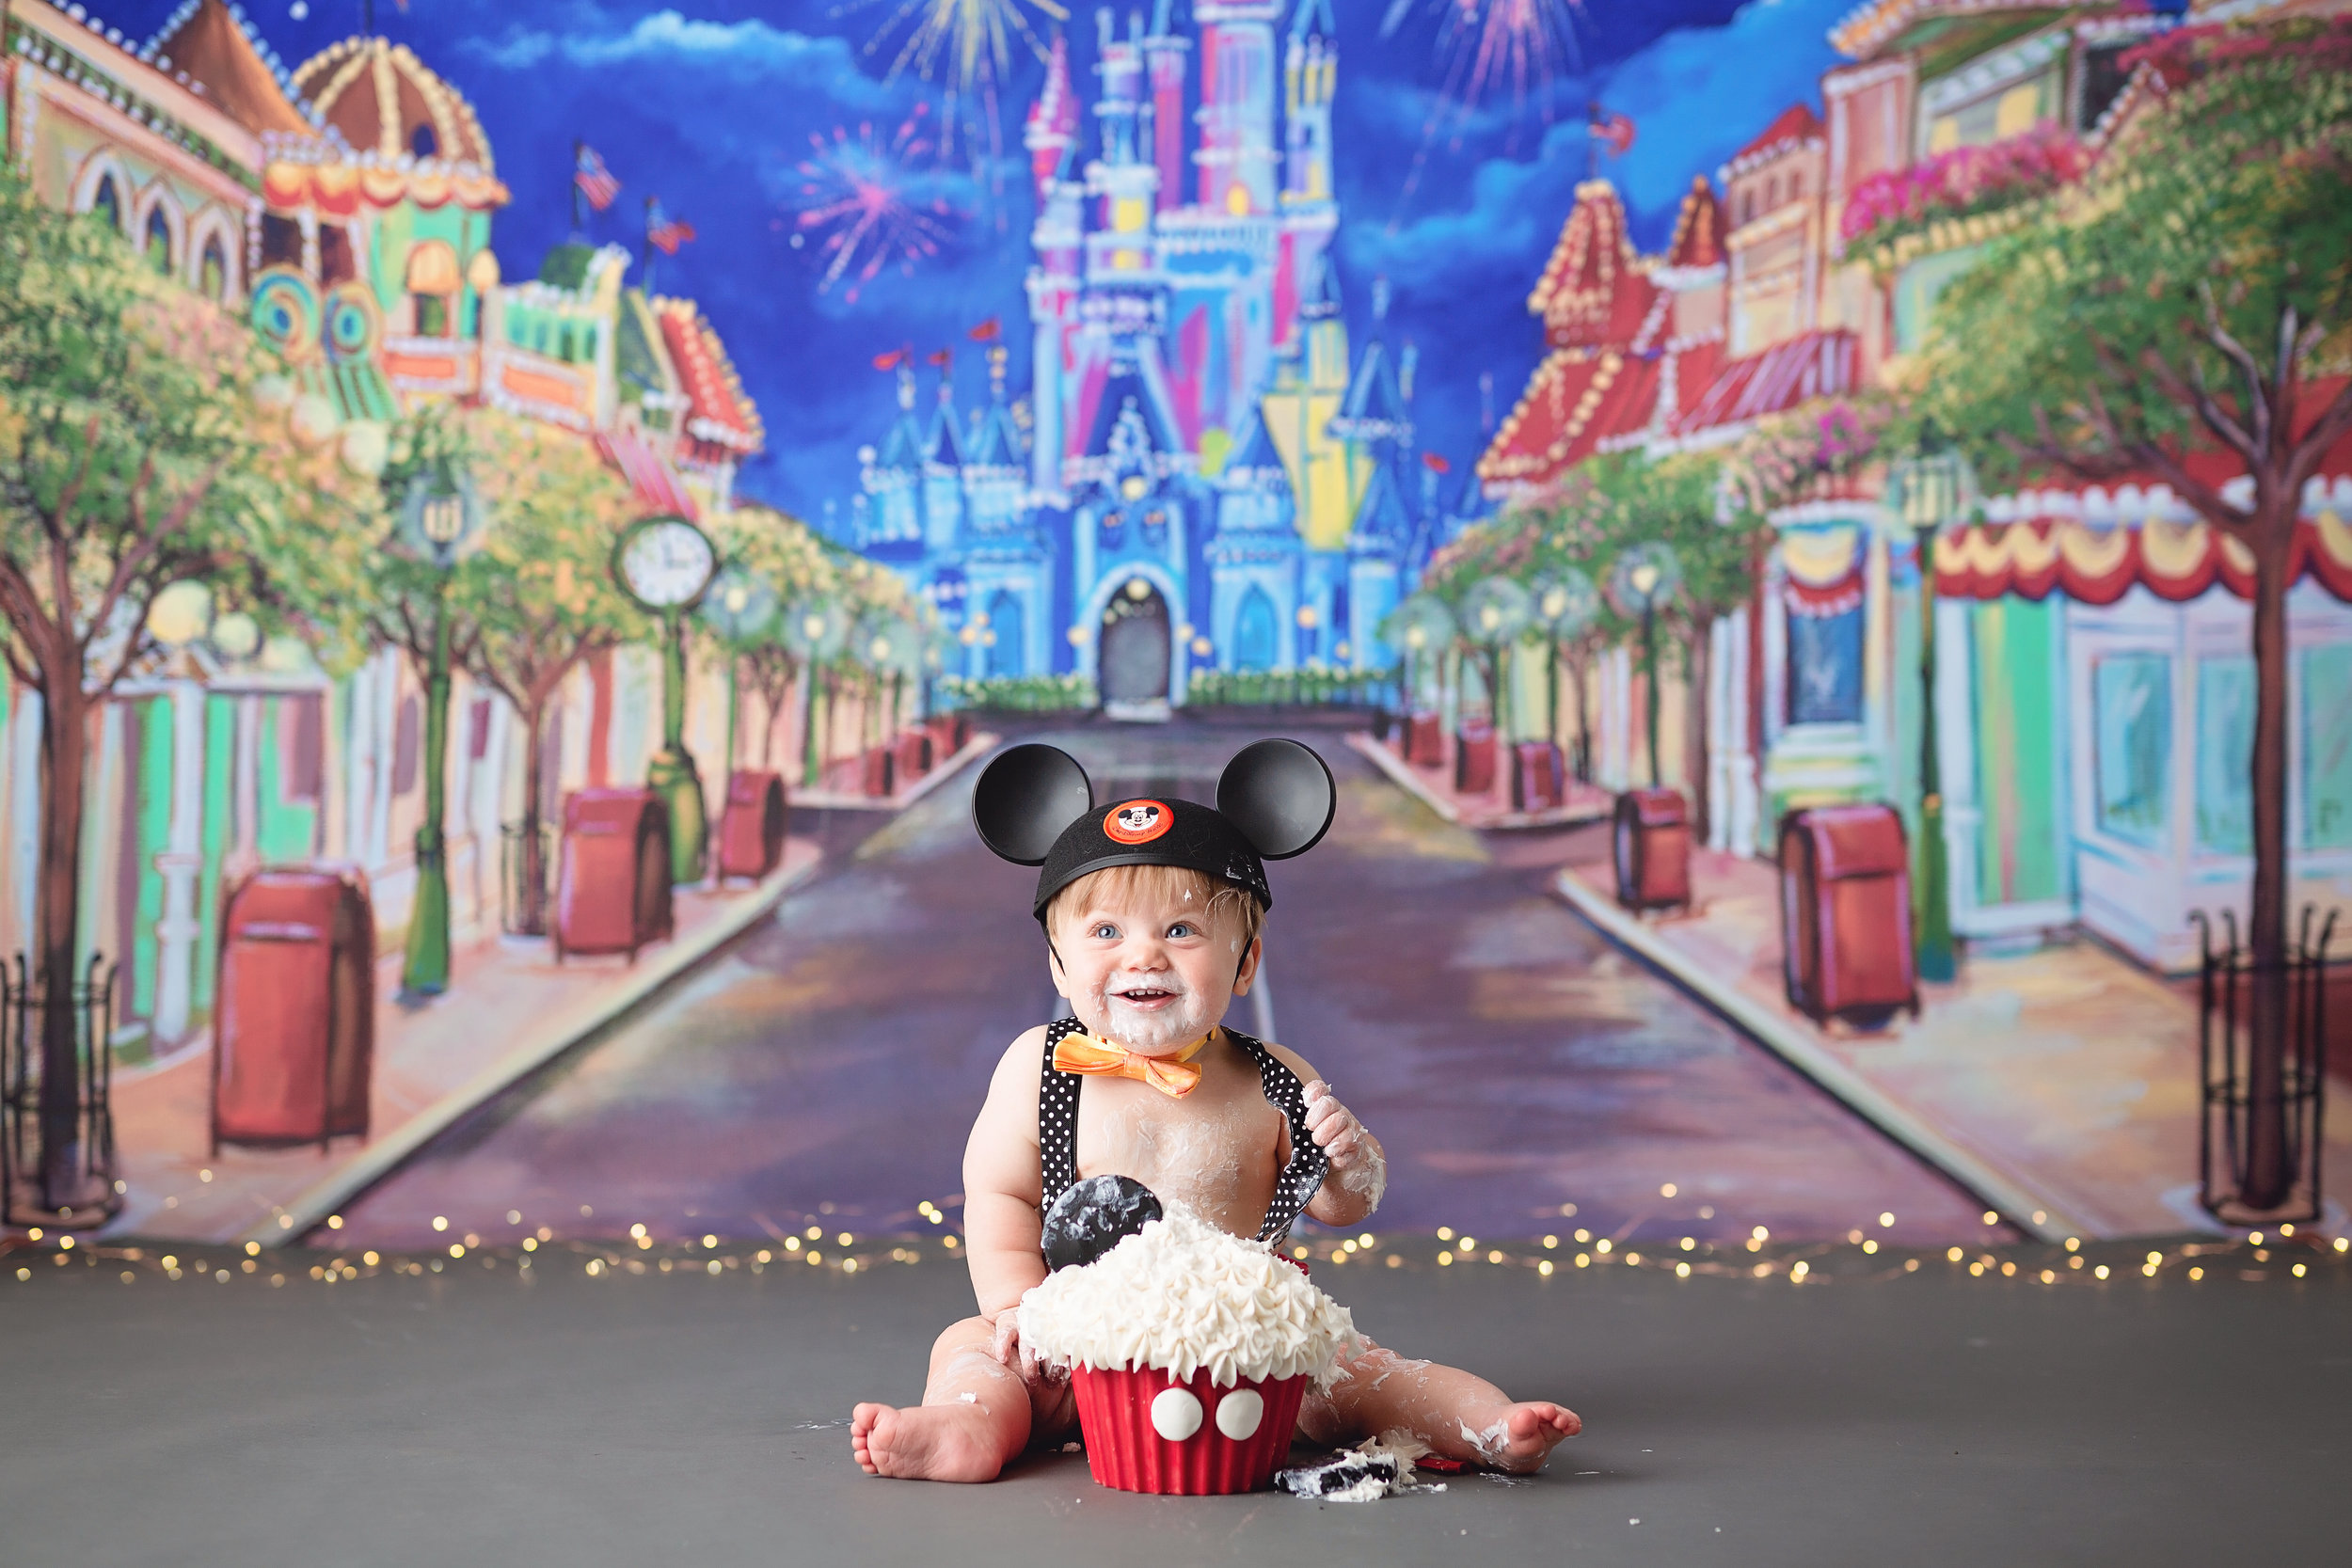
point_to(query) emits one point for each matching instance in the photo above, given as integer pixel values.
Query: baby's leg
(975, 1416)
(1459, 1416)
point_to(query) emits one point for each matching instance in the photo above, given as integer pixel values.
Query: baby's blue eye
(1106, 932)
(1182, 929)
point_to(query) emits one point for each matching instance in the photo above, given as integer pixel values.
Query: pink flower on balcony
(1958, 184)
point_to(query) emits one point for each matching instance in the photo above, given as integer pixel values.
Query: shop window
(2131, 703)
(1825, 666)
(431, 277)
(212, 271)
(2326, 747)
(1253, 632)
(108, 203)
(2225, 756)
(1005, 633)
(158, 248)
(281, 242)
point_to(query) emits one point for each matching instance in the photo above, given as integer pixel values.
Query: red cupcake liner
(1124, 1450)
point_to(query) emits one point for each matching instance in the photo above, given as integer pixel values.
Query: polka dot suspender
(1057, 1115)
(1058, 1129)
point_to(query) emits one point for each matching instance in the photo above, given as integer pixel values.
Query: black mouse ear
(1026, 797)
(1279, 794)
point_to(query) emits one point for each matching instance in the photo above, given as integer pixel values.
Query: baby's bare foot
(1521, 1437)
(930, 1442)
(1524, 1439)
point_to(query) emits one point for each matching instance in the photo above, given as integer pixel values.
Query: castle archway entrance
(1134, 659)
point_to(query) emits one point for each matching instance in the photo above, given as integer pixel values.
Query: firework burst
(967, 47)
(859, 202)
(1487, 44)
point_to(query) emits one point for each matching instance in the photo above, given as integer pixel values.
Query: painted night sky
(713, 107)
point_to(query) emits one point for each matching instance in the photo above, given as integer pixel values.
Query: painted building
(1200, 474)
(2094, 687)
(343, 207)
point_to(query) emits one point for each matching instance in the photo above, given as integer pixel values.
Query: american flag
(594, 180)
(663, 233)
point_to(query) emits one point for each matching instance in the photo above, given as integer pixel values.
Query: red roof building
(1634, 341)
(722, 424)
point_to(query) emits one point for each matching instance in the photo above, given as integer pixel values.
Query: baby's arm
(1358, 1176)
(1004, 1183)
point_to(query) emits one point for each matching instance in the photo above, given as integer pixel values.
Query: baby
(1151, 915)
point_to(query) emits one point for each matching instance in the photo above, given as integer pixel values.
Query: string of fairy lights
(2283, 1252)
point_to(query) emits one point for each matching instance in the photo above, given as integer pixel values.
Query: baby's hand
(1009, 1350)
(1357, 1167)
(1333, 1126)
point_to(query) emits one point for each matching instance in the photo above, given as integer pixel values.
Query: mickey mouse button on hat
(1034, 806)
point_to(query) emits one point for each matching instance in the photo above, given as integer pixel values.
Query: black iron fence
(57, 1169)
(2263, 1101)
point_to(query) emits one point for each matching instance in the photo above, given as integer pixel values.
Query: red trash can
(1650, 839)
(913, 756)
(613, 876)
(1536, 776)
(1474, 758)
(1845, 886)
(750, 830)
(876, 776)
(950, 733)
(294, 1036)
(1424, 740)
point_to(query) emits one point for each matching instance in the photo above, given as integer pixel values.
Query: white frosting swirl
(1181, 1295)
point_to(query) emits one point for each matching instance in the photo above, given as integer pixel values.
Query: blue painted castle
(1202, 475)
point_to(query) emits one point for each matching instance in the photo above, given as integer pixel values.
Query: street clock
(665, 562)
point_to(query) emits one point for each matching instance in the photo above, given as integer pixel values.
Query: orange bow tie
(1174, 1076)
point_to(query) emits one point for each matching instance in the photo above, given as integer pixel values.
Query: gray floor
(471, 1416)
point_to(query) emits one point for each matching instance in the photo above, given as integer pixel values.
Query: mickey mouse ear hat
(1034, 806)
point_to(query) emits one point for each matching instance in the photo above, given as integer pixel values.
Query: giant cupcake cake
(1190, 1351)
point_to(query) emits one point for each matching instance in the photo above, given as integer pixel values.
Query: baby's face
(1147, 966)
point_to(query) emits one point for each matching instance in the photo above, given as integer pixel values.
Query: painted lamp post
(666, 565)
(1646, 579)
(1494, 613)
(1933, 486)
(440, 520)
(1566, 603)
(742, 609)
(815, 631)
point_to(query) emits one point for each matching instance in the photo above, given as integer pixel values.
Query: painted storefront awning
(1823, 568)
(721, 421)
(648, 475)
(2093, 544)
(1810, 365)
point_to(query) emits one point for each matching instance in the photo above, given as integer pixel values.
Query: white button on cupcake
(1239, 1413)
(1176, 1414)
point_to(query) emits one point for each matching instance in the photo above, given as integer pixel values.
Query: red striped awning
(2093, 544)
(650, 477)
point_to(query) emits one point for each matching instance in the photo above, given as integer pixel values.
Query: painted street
(1527, 1077)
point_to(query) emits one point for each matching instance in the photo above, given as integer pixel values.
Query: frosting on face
(1179, 1295)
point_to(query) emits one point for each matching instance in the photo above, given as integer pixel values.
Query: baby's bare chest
(1216, 1152)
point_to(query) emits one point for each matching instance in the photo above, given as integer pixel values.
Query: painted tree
(2182, 306)
(133, 453)
(794, 567)
(538, 598)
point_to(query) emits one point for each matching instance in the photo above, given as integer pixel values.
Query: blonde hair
(1123, 882)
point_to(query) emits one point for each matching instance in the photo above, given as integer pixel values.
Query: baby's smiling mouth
(1145, 996)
